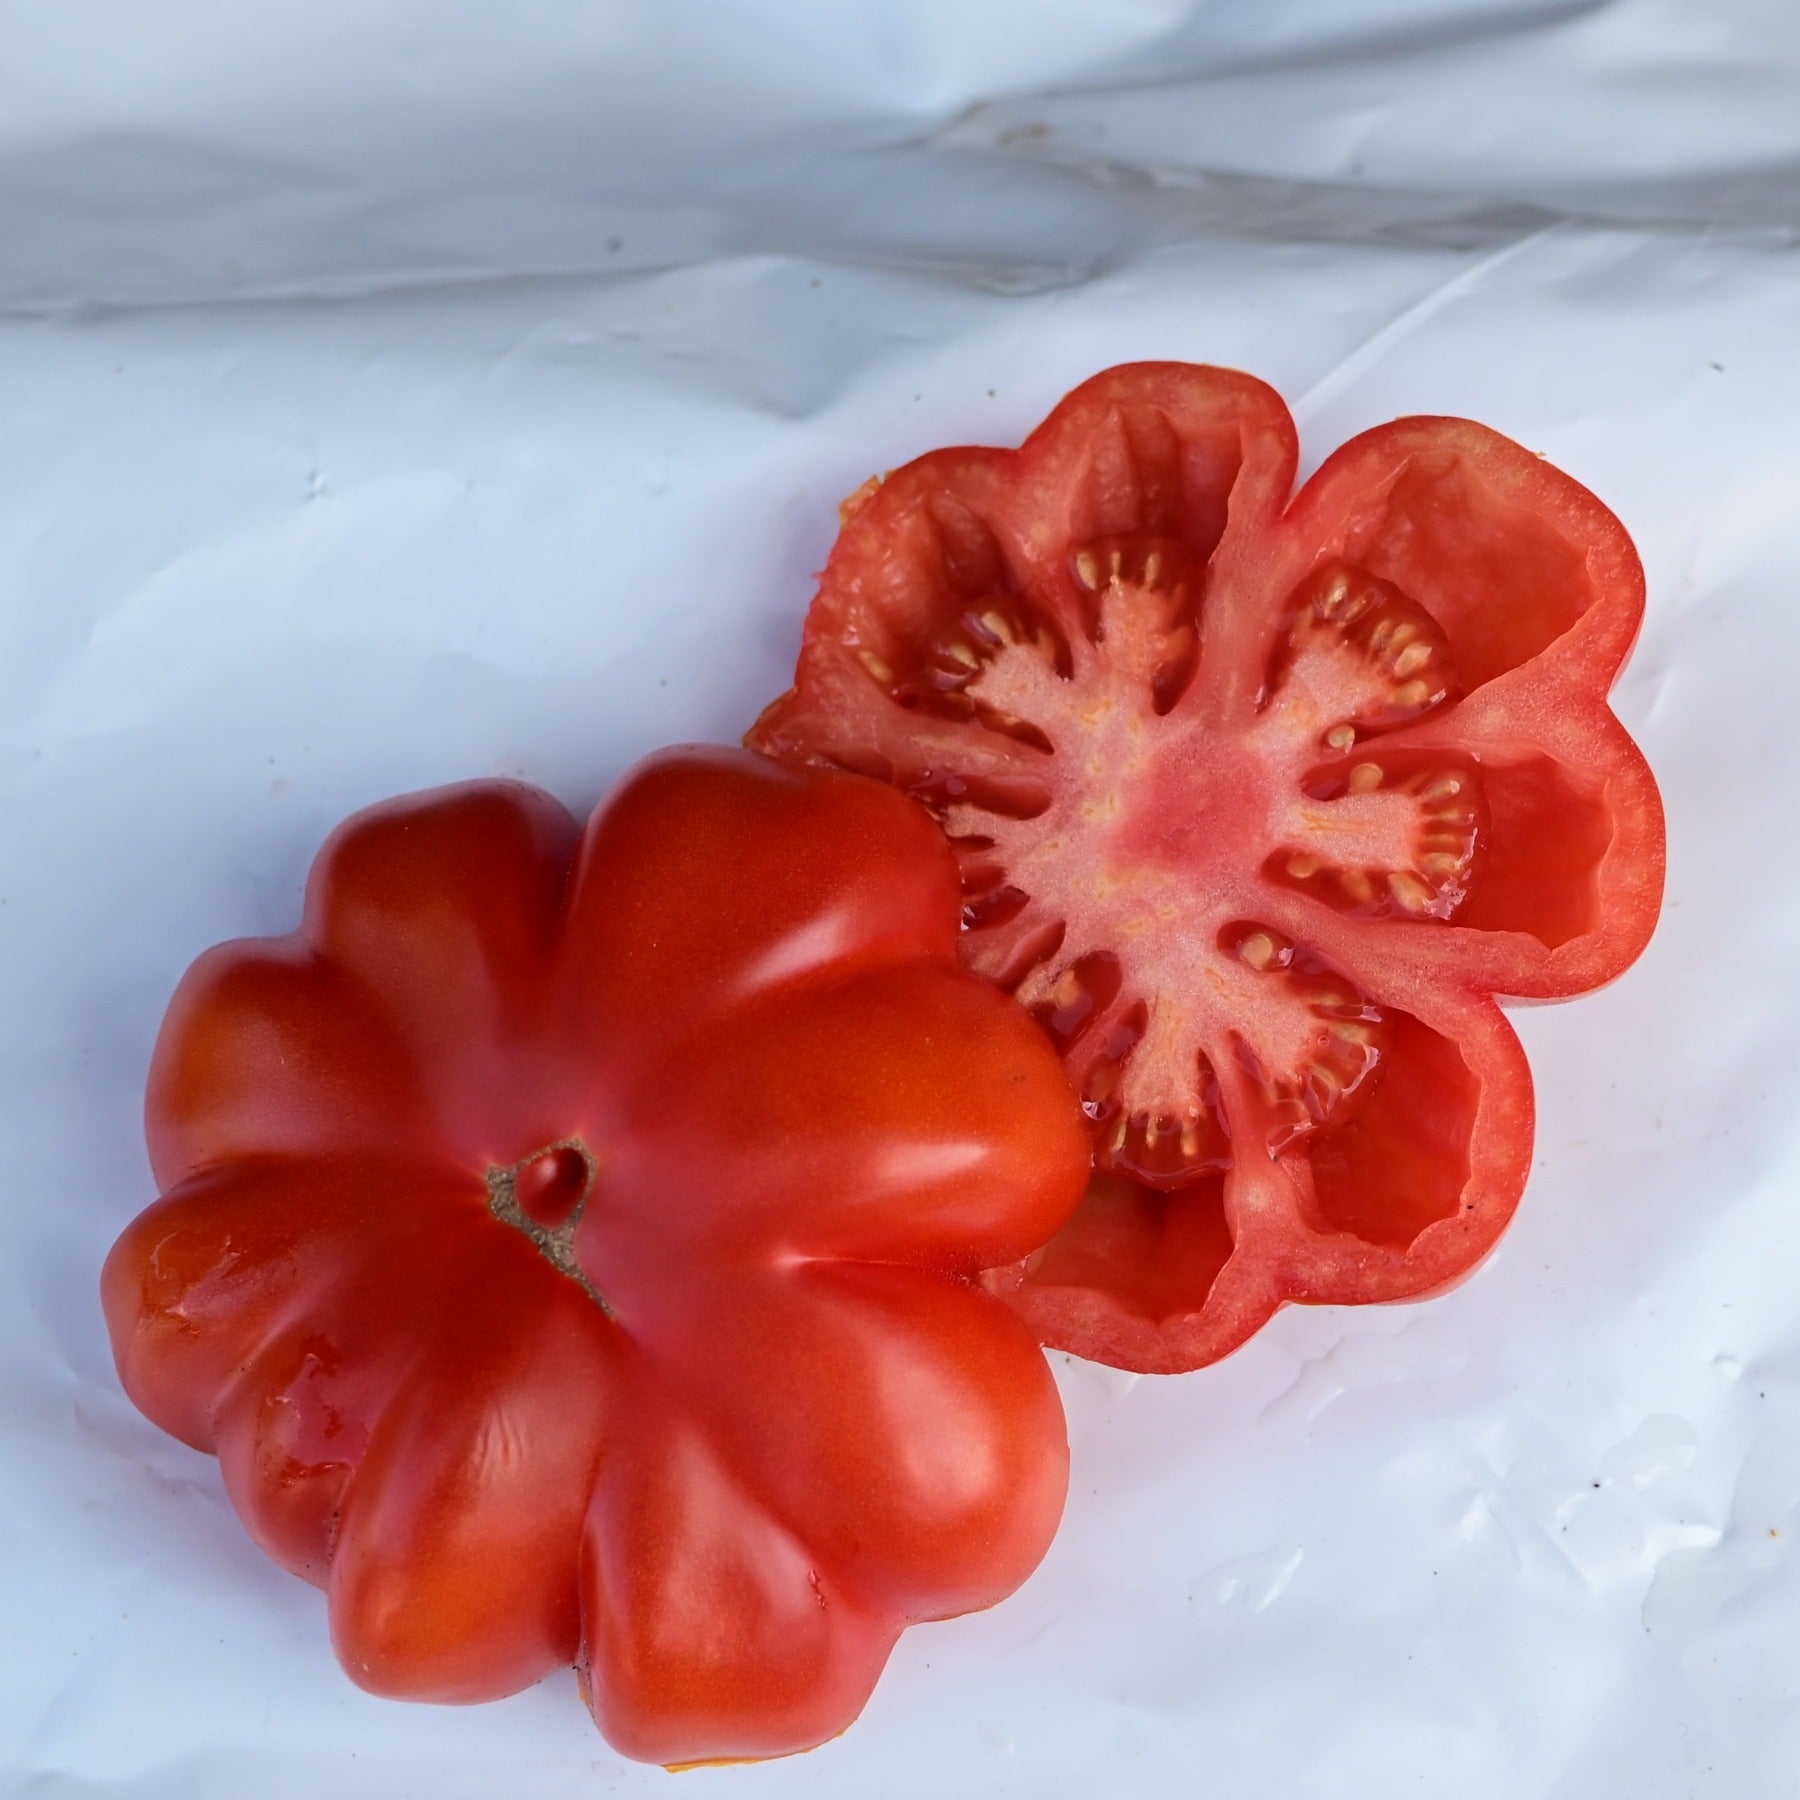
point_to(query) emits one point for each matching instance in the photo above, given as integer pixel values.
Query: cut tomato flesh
(1216, 768)
(1148, 847)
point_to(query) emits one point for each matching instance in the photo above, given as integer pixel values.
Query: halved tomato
(1259, 803)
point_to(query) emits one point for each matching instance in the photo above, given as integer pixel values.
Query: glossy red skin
(771, 1419)
(1538, 593)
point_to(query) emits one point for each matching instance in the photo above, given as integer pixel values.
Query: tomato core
(1186, 815)
(1122, 904)
(552, 1184)
(543, 1197)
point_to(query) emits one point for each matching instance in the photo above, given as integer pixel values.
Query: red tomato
(1259, 802)
(568, 1244)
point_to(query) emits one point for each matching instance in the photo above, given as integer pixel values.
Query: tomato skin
(1261, 799)
(761, 1415)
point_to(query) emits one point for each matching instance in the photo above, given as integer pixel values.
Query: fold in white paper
(402, 392)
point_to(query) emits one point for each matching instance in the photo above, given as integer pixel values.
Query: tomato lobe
(1259, 799)
(703, 1389)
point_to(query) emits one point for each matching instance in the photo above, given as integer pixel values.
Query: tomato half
(1259, 802)
(568, 1245)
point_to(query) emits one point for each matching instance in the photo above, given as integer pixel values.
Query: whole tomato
(1261, 799)
(568, 1244)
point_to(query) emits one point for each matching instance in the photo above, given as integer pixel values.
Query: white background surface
(409, 390)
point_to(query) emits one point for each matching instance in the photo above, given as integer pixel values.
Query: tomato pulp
(1259, 802)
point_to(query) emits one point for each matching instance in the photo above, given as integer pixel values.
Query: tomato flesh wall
(1258, 803)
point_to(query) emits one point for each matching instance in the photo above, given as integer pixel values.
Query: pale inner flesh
(1126, 910)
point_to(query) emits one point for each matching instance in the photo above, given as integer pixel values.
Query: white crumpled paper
(394, 391)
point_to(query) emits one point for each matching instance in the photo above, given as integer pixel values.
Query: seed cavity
(1165, 1150)
(1137, 598)
(1419, 847)
(1359, 658)
(1162, 1147)
(1168, 1150)
(954, 676)
(1068, 1002)
(993, 905)
(1313, 1046)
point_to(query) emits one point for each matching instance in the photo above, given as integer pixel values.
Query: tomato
(1259, 803)
(568, 1245)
